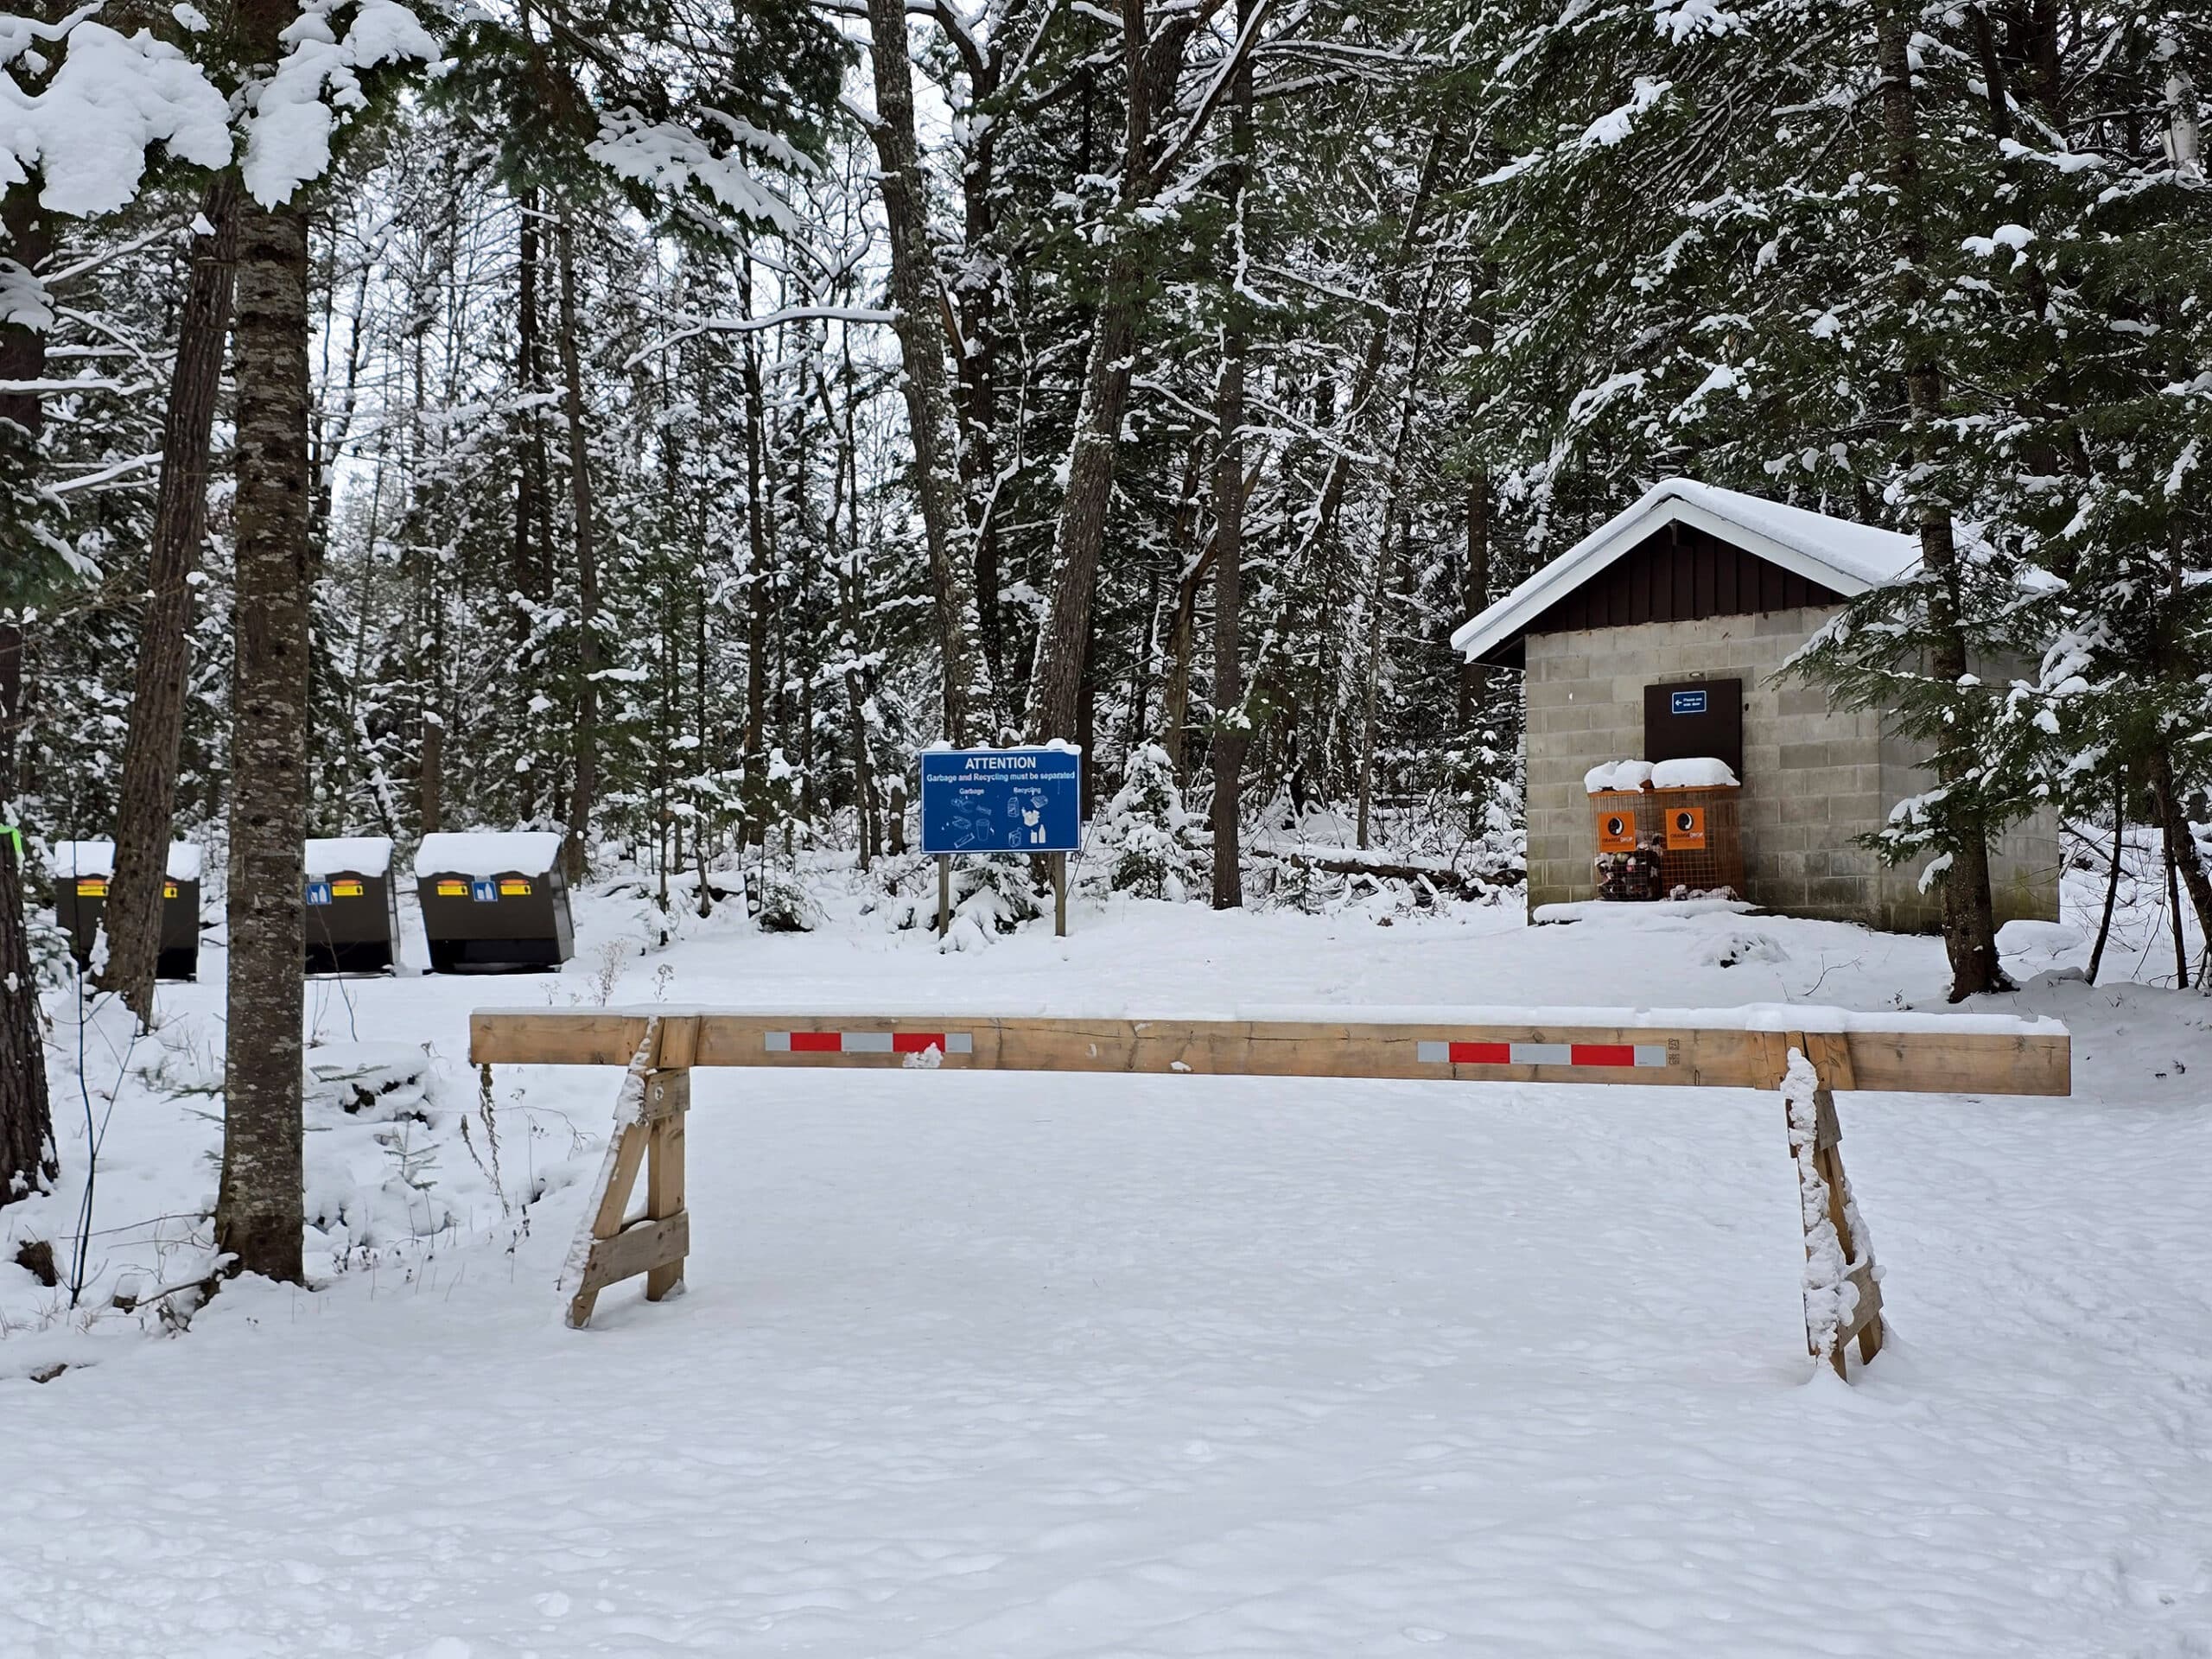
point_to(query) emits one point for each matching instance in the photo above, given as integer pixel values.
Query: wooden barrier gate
(1917, 1054)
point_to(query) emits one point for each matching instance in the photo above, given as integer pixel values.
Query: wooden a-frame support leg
(1820, 1158)
(648, 1135)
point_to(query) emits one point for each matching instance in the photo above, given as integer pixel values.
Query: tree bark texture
(916, 295)
(147, 809)
(258, 1213)
(27, 1153)
(27, 1157)
(586, 787)
(1969, 912)
(2188, 863)
(1232, 725)
(1056, 683)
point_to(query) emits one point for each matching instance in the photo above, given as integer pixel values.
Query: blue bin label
(318, 893)
(1688, 702)
(483, 892)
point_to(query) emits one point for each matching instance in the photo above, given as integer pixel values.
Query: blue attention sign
(1688, 702)
(1002, 800)
(318, 893)
(484, 890)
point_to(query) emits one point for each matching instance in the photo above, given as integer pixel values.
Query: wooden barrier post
(1838, 1254)
(613, 1245)
(1841, 1291)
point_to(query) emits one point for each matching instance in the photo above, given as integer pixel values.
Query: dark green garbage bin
(352, 911)
(494, 900)
(82, 870)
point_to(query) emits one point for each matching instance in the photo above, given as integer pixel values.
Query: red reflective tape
(1482, 1054)
(1605, 1054)
(917, 1042)
(818, 1042)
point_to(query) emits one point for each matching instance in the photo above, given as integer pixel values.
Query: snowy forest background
(1489, 273)
(675, 468)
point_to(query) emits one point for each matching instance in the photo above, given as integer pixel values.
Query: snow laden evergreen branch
(322, 82)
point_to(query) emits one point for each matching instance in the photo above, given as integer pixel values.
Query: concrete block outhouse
(1711, 590)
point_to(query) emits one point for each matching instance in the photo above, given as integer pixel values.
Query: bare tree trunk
(258, 1212)
(1475, 592)
(27, 1153)
(586, 787)
(144, 817)
(757, 580)
(1232, 726)
(2180, 845)
(1969, 911)
(2112, 882)
(918, 298)
(1056, 683)
(528, 564)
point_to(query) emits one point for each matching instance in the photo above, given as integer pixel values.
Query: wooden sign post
(1842, 1293)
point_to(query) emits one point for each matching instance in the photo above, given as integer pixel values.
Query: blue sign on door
(484, 890)
(1688, 703)
(1002, 800)
(318, 893)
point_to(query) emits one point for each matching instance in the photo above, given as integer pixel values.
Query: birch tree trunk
(916, 293)
(1969, 912)
(586, 787)
(147, 809)
(258, 1212)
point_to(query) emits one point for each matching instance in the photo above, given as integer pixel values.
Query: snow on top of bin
(349, 855)
(1616, 775)
(1845, 558)
(488, 852)
(98, 858)
(1699, 772)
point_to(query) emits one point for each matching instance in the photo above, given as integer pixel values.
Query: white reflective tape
(1432, 1054)
(865, 1042)
(1543, 1054)
(779, 1042)
(1651, 1054)
(959, 1042)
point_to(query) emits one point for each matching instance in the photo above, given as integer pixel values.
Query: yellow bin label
(452, 889)
(345, 889)
(91, 886)
(169, 889)
(514, 888)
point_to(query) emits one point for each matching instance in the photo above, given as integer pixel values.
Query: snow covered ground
(986, 1364)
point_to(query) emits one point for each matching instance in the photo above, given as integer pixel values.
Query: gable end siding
(1680, 573)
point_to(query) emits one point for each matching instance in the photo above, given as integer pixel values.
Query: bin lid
(351, 854)
(488, 852)
(98, 858)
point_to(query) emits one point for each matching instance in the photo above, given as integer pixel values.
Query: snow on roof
(349, 855)
(1847, 557)
(488, 852)
(98, 858)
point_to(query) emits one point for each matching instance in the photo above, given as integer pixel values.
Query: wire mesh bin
(1703, 841)
(1628, 866)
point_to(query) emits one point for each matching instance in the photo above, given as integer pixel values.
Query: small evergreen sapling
(1146, 846)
